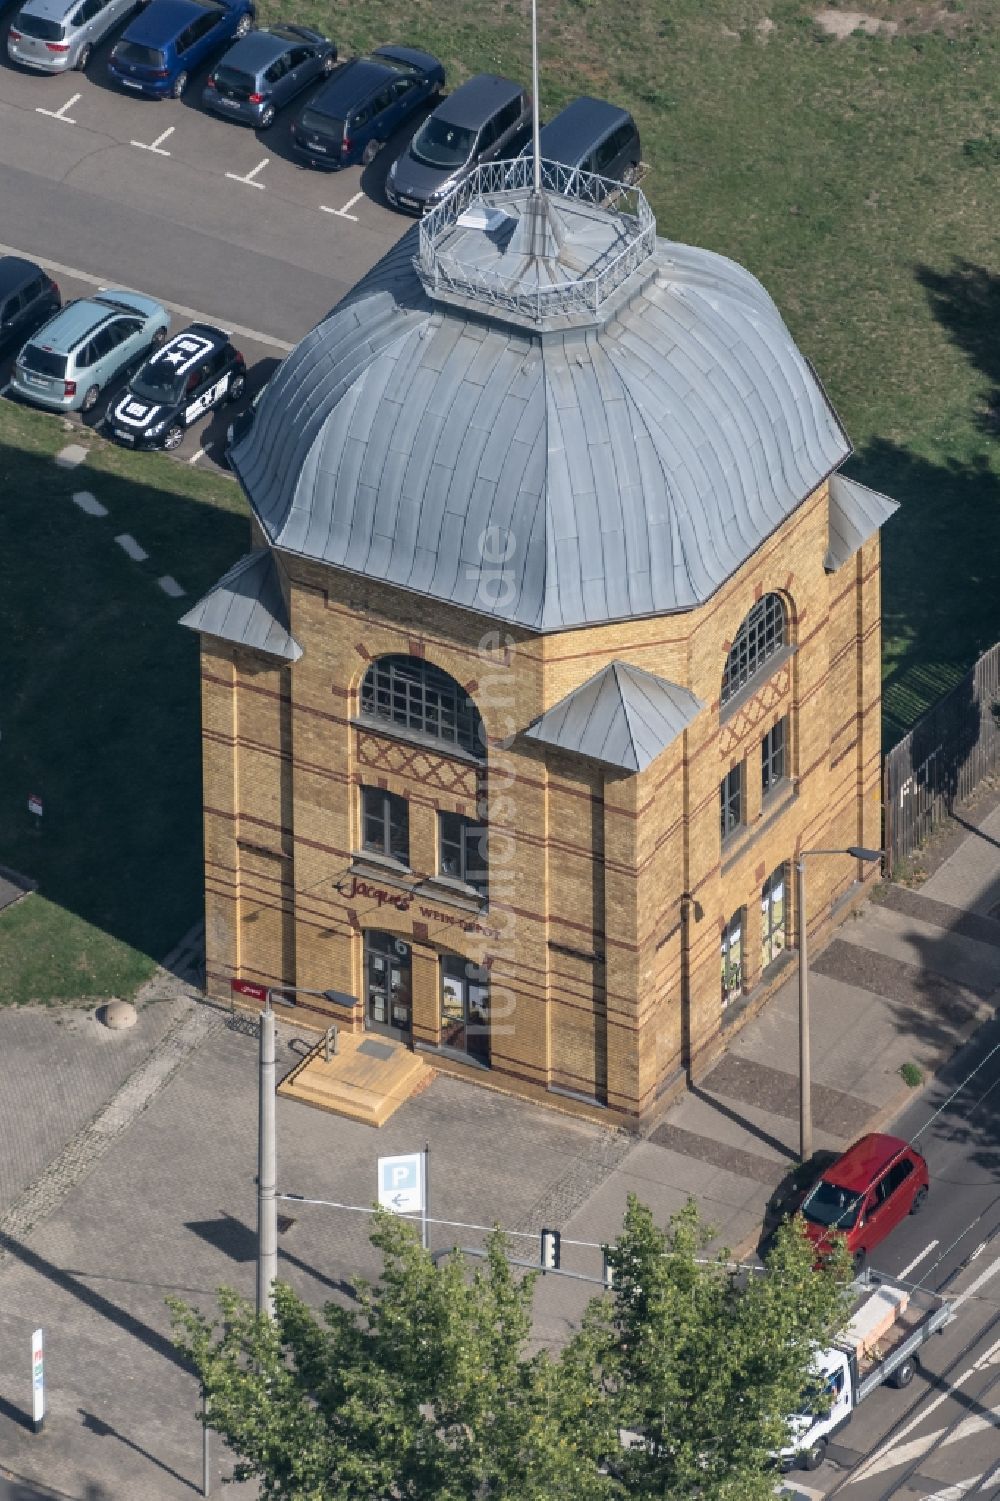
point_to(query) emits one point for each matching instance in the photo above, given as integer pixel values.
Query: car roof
(863, 1162)
(72, 323)
(476, 99)
(350, 85)
(256, 49)
(571, 133)
(15, 272)
(212, 336)
(412, 55)
(51, 10)
(161, 20)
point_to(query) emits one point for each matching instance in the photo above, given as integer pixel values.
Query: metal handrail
(440, 271)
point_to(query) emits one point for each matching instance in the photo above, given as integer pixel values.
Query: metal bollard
(330, 1037)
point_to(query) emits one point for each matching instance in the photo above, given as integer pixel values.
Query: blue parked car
(170, 39)
(353, 115)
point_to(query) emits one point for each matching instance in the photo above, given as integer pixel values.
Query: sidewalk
(907, 980)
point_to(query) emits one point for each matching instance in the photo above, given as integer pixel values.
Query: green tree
(423, 1390)
(699, 1364)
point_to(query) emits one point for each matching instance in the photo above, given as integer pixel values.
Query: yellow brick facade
(608, 891)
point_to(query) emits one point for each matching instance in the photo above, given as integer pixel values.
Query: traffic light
(607, 1271)
(550, 1250)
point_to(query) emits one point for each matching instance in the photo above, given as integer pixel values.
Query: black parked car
(28, 298)
(266, 70)
(353, 115)
(193, 372)
(484, 120)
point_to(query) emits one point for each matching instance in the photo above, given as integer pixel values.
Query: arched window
(763, 632)
(411, 693)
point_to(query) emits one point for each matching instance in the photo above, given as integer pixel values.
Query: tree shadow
(966, 302)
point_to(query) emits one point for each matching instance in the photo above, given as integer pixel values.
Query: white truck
(889, 1322)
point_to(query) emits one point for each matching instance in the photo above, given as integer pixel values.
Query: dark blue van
(353, 115)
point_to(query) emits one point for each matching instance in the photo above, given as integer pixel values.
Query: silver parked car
(74, 356)
(57, 35)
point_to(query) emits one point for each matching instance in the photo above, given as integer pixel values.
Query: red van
(867, 1191)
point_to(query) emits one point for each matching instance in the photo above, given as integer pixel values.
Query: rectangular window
(731, 800)
(773, 917)
(385, 824)
(465, 1007)
(462, 851)
(732, 958)
(773, 753)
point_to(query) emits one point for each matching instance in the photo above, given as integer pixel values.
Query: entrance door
(388, 985)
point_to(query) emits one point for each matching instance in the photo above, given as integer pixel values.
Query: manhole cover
(376, 1049)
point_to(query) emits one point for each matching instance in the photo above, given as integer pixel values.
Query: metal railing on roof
(581, 295)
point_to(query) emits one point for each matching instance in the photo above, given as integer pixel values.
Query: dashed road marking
(89, 503)
(918, 1259)
(157, 145)
(182, 311)
(200, 453)
(974, 1287)
(60, 113)
(129, 545)
(171, 587)
(342, 212)
(249, 178)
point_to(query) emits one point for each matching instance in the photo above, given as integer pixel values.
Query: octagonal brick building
(558, 639)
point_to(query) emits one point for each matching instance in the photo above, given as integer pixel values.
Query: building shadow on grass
(102, 713)
(965, 300)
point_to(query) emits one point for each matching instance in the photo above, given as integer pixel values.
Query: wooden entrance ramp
(367, 1079)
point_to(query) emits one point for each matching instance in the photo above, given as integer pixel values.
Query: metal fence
(943, 759)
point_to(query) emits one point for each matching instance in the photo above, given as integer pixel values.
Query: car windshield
(827, 1204)
(135, 52)
(43, 361)
(322, 125)
(231, 78)
(438, 144)
(40, 27)
(158, 383)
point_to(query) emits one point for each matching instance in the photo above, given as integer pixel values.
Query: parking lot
(174, 181)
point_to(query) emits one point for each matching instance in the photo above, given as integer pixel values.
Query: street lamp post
(856, 852)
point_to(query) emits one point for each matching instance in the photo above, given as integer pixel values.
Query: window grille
(773, 768)
(412, 693)
(731, 800)
(762, 633)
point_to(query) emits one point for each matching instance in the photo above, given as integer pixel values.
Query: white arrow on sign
(401, 1183)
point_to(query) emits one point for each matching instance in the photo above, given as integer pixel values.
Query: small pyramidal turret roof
(622, 716)
(856, 513)
(247, 608)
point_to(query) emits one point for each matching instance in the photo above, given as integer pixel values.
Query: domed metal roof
(631, 415)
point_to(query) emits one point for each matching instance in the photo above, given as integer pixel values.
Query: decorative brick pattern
(423, 766)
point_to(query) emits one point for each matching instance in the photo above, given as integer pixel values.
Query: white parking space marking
(60, 113)
(342, 212)
(190, 313)
(918, 1259)
(171, 587)
(249, 178)
(157, 145)
(200, 454)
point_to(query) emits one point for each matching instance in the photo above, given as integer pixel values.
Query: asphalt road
(940, 1438)
(218, 216)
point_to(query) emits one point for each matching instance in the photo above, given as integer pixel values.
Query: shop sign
(398, 899)
(250, 989)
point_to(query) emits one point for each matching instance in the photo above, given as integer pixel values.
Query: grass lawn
(857, 179)
(101, 713)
